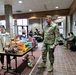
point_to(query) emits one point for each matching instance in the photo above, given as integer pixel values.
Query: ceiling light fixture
(56, 7)
(33, 17)
(19, 1)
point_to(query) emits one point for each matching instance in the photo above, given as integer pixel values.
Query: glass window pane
(2, 22)
(14, 22)
(19, 21)
(26, 31)
(19, 30)
(61, 31)
(25, 22)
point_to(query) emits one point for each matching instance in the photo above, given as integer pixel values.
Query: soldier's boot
(42, 65)
(50, 69)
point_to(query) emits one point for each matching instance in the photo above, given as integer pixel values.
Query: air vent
(18, 11)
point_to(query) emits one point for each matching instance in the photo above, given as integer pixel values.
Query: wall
(35, 23)
(61, 12)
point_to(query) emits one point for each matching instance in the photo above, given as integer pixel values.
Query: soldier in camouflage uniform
(51, 37)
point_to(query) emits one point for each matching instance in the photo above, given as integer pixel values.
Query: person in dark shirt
(71, 41)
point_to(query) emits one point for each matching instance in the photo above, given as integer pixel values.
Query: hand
(54, 46)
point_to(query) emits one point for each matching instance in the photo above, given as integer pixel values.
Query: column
(64, 27)
(9, 19)
(71, 23)
(68, 24)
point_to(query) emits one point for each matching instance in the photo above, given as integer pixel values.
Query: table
(18, 54)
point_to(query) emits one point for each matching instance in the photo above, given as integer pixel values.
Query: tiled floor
(65, 63)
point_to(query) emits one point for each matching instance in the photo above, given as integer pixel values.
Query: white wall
(35, 23)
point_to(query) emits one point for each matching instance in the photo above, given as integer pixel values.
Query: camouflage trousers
(46, 49)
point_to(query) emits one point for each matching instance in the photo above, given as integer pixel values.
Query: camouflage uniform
(51, 37)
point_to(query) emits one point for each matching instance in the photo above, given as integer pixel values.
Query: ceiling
(34, 5)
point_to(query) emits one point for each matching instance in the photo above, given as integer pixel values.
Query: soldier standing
(51, 38)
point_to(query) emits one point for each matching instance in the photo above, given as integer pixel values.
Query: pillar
(9, 19)
(64, 27)
(71, 23)
(68, 24)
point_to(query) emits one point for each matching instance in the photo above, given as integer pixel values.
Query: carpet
(37, 54)
(64, 64)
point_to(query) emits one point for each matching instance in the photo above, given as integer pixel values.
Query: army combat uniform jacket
(51, 34)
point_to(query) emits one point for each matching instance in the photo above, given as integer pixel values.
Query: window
(60, 25)
(22, 22)
(25, 22)
(19, 21)
(2, 22)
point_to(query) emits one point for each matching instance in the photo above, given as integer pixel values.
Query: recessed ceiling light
(30, 10)
(19, 1)
(56, 7)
